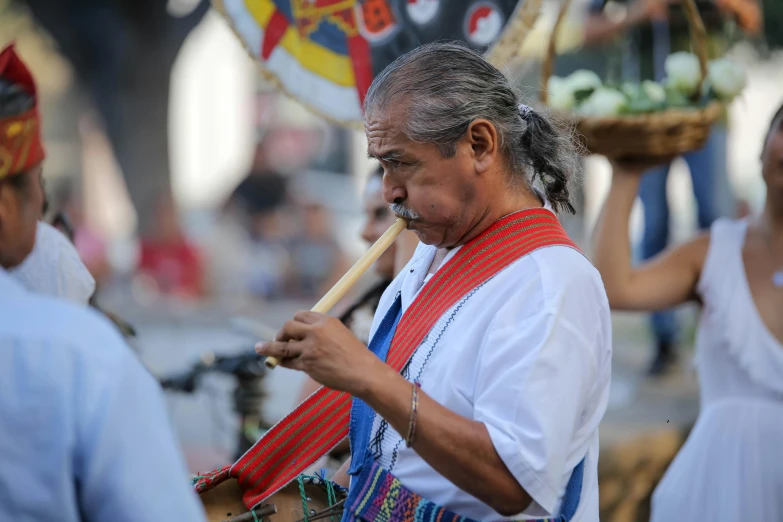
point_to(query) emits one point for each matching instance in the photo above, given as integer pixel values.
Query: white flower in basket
(654, 91)
(561, 97)
(604, 102)
(683, 72)
(727, 78)
(630, 89)
(583, 80)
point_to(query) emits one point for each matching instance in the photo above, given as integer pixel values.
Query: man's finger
(308, 317)
(279, 349)
(293, 330)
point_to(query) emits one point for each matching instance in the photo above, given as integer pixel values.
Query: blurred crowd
(294, 251)
(269, 240)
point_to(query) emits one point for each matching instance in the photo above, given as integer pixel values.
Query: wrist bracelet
(414, 415)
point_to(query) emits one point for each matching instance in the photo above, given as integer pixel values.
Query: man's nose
(393, 192)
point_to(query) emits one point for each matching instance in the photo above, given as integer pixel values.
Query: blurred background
(210, 207)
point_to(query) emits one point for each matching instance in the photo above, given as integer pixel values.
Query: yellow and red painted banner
(325, 53)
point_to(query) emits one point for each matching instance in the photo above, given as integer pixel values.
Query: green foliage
(582, 94)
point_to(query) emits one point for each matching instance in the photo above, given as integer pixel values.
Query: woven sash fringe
(381, 497)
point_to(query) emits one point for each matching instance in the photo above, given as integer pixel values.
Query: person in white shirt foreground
(489, 366)
(83, 429)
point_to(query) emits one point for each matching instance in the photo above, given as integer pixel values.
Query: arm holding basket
(668, 280)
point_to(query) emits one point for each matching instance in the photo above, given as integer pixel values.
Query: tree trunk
(123, 55)
(141, 142)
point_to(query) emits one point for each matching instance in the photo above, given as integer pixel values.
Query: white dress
(731, 466)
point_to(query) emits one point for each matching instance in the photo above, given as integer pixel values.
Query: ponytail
(550, 153)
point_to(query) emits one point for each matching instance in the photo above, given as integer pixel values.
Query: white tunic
(731, 467)
(84, 433)
(55, 268)
(529, 355)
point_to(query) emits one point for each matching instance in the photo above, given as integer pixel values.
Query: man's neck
(509, 205)
(440, 255)
(507, 202)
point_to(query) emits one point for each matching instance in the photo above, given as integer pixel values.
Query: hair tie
(524, 110)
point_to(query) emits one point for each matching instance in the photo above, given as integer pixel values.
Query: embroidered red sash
(321, 421)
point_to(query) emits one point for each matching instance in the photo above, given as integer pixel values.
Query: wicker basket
(650, 138)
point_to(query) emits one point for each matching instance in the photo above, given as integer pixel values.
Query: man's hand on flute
(459, 448)
(326, 350)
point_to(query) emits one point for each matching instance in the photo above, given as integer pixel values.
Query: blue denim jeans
(709, 177)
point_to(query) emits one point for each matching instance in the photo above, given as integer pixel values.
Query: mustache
(404, 212)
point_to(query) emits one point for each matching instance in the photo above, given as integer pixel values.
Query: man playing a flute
(84, 433)
(488, 368)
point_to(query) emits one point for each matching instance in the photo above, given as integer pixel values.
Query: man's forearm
(458, 448)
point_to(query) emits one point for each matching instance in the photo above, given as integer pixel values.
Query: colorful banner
(325, 53)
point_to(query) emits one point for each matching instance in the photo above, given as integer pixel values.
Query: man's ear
(9, 203)
(484, 145)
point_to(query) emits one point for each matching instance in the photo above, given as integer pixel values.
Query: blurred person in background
(651, 30)
(378, 217)
(317, 260)
(89, 243)
(85, 434)
(269, 258)
(168, 259)
(261, 206)
(727, 470)
(264, 189)
(358, 317)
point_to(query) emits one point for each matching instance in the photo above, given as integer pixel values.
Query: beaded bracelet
(414, 415)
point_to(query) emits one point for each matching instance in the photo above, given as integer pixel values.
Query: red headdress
(20, 134)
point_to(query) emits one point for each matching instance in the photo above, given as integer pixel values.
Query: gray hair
(446, 86)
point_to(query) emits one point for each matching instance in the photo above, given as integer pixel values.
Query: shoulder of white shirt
(37, 317)
(54, 267)
(554, 270)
